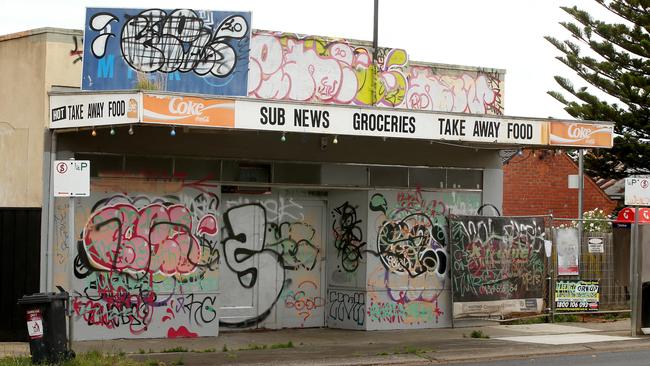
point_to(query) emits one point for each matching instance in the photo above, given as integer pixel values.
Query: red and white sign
(626, 215)
(34, 324)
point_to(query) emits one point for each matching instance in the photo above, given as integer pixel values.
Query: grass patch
(616, 316)
(257, 347)
(92, 358)
(253, 347)
(178, 362)
(479, 334)
(224, 348)
(411, 350)
(535, 320)
(174, 350)
(15, 361)
(281, 345)
(566, 318)
(207, 350)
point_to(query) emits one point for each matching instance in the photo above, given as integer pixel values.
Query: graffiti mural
(324, 70)
(155, 239)
(176, 50)
(77, 51)
(305, 300)
(465, 92)
(146, 265)
(392, 258)
(347, 309)
(409, 283)
(317, 69)
(497, 258)
(348, 236)
(271, 249)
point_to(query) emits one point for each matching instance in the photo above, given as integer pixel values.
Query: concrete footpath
(396, 347)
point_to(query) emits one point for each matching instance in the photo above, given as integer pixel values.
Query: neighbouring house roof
(615, 188)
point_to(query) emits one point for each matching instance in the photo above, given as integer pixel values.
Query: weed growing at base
(479, 334)
(92, 358)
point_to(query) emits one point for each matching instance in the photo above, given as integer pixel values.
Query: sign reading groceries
(339, 120)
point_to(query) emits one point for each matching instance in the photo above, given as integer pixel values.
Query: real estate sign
(577, 295)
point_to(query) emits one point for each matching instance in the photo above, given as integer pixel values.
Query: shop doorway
(272, 265)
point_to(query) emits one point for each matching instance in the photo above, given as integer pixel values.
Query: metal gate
(20, 245)
(597, 253)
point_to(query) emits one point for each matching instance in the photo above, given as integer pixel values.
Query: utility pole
(581, 183)
(375, 37)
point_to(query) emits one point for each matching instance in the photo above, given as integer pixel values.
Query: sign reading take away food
(88, 110)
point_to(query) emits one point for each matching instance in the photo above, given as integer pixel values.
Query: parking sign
(71, 178)
(637, 191)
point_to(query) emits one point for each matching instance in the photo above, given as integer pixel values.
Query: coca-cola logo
(578, 132)
(178, 105)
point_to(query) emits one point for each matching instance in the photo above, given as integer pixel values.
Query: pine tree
(618, 66)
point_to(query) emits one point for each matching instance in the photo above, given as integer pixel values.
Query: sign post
(637, 193)
(71, 178)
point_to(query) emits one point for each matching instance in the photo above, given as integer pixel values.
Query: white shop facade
(213, 213)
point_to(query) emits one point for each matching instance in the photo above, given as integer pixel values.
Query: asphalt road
(632, 358)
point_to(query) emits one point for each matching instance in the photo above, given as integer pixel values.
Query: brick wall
(536, 183)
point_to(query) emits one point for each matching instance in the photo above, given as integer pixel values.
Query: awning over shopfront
(96, 109)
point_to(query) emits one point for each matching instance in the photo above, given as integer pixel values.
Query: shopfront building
(320, 198)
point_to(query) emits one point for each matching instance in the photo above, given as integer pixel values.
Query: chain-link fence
(593, 251)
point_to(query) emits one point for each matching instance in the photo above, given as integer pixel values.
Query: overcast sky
(504, 34)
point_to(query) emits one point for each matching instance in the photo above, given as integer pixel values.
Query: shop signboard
(188, 111)
(97, 109)
(391, 123)
(581, 134)
(577, 295)
(183, 50)
(84, 110)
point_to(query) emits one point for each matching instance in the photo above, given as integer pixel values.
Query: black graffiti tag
(348, 236)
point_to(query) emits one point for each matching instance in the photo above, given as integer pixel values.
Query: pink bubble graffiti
(153, 239)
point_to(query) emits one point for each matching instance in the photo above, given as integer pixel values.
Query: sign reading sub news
(71, 178)
(578, 295)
